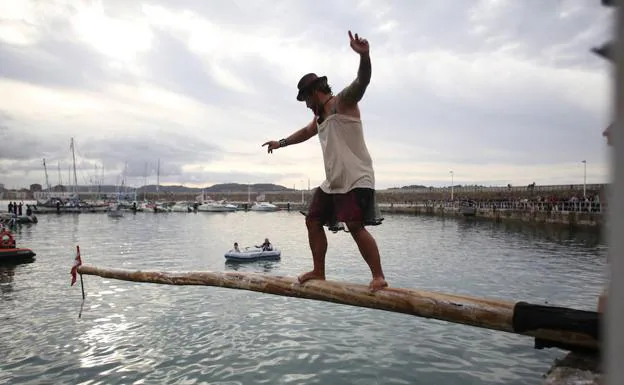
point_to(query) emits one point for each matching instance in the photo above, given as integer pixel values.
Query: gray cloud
(20, 142)
(173, 66)
(534, 26)
(526, 130)
(173, 150)
(57, 63)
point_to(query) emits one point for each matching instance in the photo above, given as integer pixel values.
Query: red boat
(14, 255)
(11, 254)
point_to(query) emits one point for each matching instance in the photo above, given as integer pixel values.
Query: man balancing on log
(348, 193)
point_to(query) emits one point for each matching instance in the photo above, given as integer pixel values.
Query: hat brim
(310, 85)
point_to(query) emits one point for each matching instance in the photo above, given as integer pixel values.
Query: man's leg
(317, 239)
(318, 246)
(370, 252)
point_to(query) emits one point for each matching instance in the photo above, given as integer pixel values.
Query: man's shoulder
(352, 93)
(346, 91)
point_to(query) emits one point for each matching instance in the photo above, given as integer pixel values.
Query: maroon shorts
(357, 205)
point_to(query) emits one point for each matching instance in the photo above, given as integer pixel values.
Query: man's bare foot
(377, 284)
(310, 275)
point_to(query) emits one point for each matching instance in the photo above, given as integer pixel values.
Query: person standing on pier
(348, 193)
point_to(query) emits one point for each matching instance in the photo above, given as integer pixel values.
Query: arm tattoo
(354, 92)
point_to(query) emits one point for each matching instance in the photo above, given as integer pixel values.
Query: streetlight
(452, 187)
(584, 178)
(302, 189)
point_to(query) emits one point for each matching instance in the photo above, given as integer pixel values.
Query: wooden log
(563, 327)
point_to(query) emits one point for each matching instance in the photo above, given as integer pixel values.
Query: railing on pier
(471, 189)
(593, 207)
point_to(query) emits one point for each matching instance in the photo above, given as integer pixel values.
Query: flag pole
(82, 287)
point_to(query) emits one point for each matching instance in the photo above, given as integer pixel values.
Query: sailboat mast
(60, 178)
(145, 181)
(158, 179)
(74, 162)
(125, 176)
(45, 169)
(101, 183)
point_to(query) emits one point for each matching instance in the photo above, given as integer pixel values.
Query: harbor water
(159, 334)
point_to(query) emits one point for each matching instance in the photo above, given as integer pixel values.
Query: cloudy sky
(497, 91)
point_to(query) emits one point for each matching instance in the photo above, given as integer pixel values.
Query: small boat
(157, 207)
(115, 211)
(253, 254)
(264, 206)
(181, 207)
(468, 209)
(16, 255)
(10, 219)
(216, 207)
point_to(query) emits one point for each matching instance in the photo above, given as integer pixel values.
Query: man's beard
(317, 108)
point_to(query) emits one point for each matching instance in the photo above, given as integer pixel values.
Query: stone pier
(574, 369)
(568, 218)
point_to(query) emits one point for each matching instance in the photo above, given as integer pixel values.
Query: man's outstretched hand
(358, 44)
(271, 145)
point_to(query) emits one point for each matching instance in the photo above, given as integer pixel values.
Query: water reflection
(6, 279)
(563, 235)
(256, 266)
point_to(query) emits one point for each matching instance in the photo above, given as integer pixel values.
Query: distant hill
(237, 187)
(217, 188)
(419, 186)
(410, 187)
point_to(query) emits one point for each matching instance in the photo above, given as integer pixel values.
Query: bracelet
(282, 143)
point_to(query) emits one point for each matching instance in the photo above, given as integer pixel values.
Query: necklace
(321, 116)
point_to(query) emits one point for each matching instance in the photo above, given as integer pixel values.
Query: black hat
(307, 82)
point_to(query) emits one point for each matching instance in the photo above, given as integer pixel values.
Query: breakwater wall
(566, 214)
(575, 216)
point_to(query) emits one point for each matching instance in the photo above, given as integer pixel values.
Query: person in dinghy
(348, 193)
(266, 245)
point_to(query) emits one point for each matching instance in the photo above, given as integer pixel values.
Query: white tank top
(348, 164)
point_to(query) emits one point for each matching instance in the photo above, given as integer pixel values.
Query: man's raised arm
(353, 93)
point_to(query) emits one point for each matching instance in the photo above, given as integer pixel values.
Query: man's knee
(355, 227)
(313, 223)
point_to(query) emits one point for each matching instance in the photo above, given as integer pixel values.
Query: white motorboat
(214, 206)
(253, 254)
(157, 207)
(264, 206)
(230, 206)
(181, 207)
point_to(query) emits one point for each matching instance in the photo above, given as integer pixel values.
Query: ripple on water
(144, 333)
